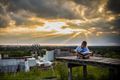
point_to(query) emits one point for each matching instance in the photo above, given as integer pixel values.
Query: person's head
(84, 44)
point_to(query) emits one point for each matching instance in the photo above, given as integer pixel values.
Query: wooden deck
(112, 64)
(93, 61)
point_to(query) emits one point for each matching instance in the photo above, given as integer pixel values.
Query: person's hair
(84, 43)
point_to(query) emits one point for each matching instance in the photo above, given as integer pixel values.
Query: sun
(56, 27)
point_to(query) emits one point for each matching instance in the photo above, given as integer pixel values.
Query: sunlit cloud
(51, 26)
(72, 37)
(56, 27)
(60, 21)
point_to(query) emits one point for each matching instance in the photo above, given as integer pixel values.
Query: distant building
(0, 56)
(57, 52)
(5, 56)
(15, 65)
(62, 52)
(11, 65)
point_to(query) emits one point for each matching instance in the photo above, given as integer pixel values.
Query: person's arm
(86, 51)
(78, 49)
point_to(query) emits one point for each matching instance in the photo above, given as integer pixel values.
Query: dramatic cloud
(69, 9)
(114, 5)
(59, 21)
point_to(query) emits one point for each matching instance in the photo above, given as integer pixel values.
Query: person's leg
(87, 56)
(91, 54)
(79, 55)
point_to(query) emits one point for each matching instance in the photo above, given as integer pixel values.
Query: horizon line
(53, 44)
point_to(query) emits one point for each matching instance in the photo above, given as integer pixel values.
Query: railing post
(114, 73)
(84, 72)
(69, 73)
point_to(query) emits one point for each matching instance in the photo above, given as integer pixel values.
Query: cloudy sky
(60, 22)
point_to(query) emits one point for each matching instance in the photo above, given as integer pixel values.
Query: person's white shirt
(82, 50)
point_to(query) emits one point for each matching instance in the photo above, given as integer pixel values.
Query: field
(59, 73)
(59, 70)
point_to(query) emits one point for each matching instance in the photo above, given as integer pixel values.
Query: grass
(60, 72)
(60, 69)
(34, 74)
(94, 73)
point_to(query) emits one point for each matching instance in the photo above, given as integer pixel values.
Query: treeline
(105, 51)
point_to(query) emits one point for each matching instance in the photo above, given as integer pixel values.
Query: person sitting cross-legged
(82, 51)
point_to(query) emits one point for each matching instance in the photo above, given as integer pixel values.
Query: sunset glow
(56, 23)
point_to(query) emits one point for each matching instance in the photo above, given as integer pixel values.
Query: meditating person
(82, 51)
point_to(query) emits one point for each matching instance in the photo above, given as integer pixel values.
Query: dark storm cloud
(4, 14)
(3, 22)
(44, 8)
(19, 19)
(116, 22)
(114, 5)
(52, 9)
(41, 8)
(57, 8)
(89, 3)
